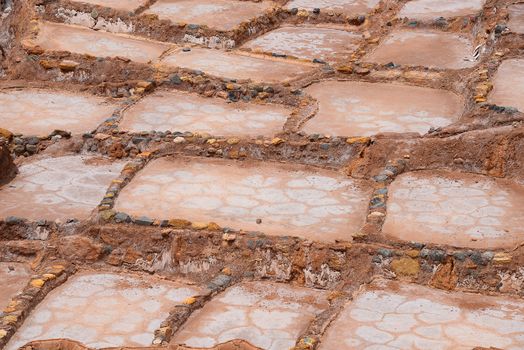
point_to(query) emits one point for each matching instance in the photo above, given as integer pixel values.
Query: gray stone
(487, 256)
(461, 256)
(380, 178)
(18, 141)
(175, 79)
(386, 253)
(382, 190)
(122, 217)
(476, 257)
(13, 220)
(219, 282)
(31, 148)
(32, 140)
(143, 221)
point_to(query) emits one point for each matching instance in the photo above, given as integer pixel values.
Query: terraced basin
(391, 315)
(268, 315)
(40, 112)
(508, 85)
(217, 14)
(237, 66)
(58, 188)
(269, 197)
(424, 48)
(516, 18)
(347, 7)
(307, 42)
(81, 40)
(103, 310)
(433, 9)
(365, 109)
(123, 5)
(179, 111)
(458, 209)
(15, 277)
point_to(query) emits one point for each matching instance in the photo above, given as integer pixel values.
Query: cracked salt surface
(317, 204)
(389, 315)
(103, 310)
(268, 315)
(464, 210)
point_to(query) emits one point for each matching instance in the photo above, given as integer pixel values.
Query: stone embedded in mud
(233, 65)
(391, 315)
(405, 267)
(75, 39)
(432, 9)
(58, 188)
(347, 7)
(326, 44)
(180, 111)
(94, 309)
(268, 315)
(424, 48)
(40, 112)
(366, 109)
(217, 14)
(290, 199)
(458, 209)
(508, 85)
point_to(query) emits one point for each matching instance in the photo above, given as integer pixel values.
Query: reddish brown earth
(7, 168)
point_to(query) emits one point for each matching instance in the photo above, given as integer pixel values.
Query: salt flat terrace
(390, 315)
(307, 42)
(433, 9)
(180, 111)
(40, 112)
(104, 310)
(508, 85)
(347, 7)
(216, 14)
(237, 66)
(268, 315)
(81, 40)
(14, 277)
(425, 48)
(458, 209)
(516, 18)
(365, 109)
(67, 187)
(268, 197)
(123, 5)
